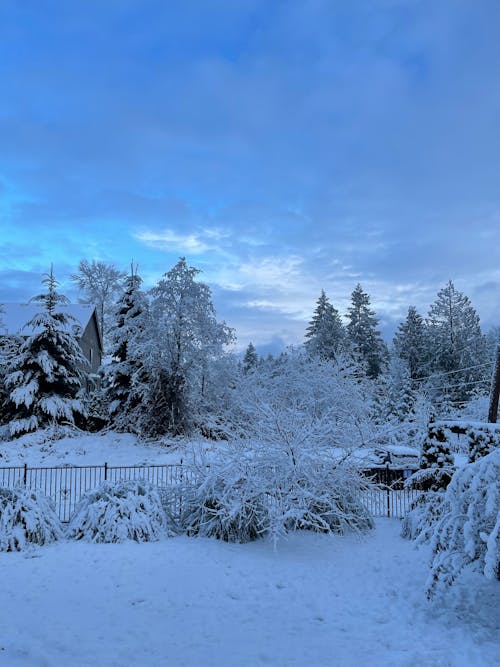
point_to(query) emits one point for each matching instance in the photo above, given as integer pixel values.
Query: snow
(39, 449)
(318, 600)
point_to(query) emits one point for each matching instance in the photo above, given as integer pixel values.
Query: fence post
(25, 474)
(180, 494)
(388, 491)
(105, 471)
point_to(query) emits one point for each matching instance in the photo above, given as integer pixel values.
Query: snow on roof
(15, 316)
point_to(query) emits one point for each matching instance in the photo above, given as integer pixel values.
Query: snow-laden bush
(468, 533)
(119, 511)
(26, 517)
(228, 503)
(420, 521)
(436, 460)
(326, 498)
(258, 491)
(482, 439)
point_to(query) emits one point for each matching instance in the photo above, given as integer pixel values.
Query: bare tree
(100, 284)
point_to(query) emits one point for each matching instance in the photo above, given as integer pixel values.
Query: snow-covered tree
(126, 338)
(468, 532)
(185, 338)
(459, 349)
(325, 335)
(363, 335)
(46, 386)
(410, 344)
(251, 358)
(100, 284)
(301, 401)
(436, 460)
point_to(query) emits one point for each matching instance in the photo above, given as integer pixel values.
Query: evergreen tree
(46, 387)
(459, 349)
(325, 335)
(436, 459)
(126, 337)
(410, 344)
(367, 345)
(251, 358)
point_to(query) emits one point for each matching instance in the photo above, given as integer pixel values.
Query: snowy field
(316, 601)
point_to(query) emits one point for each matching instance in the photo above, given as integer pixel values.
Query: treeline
(168, 369)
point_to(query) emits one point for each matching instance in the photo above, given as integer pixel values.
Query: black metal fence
(65, 485)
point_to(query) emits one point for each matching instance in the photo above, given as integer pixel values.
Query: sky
(282, 147)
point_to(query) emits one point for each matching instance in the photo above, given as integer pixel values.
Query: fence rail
(65, 485)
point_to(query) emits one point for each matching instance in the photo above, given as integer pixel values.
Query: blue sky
(282, 147)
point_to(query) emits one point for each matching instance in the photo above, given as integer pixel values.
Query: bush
(119, 511)
(225, 504)
(26, 517)
(468, 533)
(326, 498)
(253, 494)
(420, 521)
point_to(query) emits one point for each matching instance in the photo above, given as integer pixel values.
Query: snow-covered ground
(39, 449)
(317, 601)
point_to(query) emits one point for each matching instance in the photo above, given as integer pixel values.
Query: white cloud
(171, 241)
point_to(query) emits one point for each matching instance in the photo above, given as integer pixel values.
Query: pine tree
(251, 358)
(410, 344)
(367, 345)
(325, 335)
(126, 337)
(459, 349)
(47, 386)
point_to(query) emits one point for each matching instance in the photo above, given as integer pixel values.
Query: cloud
(284, 147)
(173, 242)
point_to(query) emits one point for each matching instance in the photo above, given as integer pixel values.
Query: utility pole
(495, 391)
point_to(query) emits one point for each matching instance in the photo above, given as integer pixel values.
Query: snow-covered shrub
(420, 521)
(468, 533)
(325, 497)
(228, 503)
(118, 511)
(26, 517)
(257, 491)
(436, 461)
(483, 439)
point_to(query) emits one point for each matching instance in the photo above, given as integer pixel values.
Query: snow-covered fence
(65, 485)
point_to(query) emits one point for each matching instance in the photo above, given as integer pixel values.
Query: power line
(438, 374)
(460, 384)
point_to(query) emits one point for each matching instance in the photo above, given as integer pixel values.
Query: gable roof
(15, 316)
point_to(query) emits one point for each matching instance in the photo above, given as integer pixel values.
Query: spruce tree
(459, 349)
(251, 358)
(127, 334)
(325, 335)
(363, 335)
(411, 344)
(47, 385)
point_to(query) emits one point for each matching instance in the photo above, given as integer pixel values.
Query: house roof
(15, 316)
